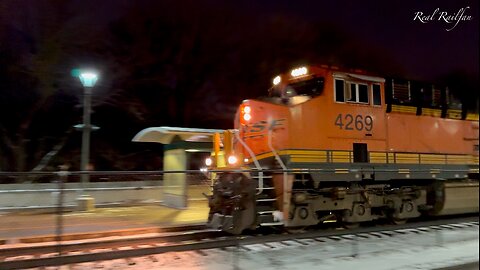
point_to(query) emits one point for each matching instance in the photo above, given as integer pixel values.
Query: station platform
(35, 226)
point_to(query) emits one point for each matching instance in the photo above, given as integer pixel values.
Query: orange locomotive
(330, 144)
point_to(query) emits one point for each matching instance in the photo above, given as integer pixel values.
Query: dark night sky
(189, 63)
(424, 50)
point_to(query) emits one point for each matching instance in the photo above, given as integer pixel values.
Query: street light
(88, 80)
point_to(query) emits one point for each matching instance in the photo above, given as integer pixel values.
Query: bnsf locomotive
(340, 145)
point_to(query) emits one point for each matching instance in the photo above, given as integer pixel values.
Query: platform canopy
(166, 135)
(177, 143)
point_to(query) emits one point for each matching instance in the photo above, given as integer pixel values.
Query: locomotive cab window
(376, 96)
(362, 93)
(339, 90)
(352, 92)
(357, 93)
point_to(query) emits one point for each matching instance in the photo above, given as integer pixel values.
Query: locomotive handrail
(284, 168)
(255, 161)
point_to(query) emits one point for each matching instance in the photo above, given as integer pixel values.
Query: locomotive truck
(331, 144)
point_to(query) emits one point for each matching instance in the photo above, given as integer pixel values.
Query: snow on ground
(428, 250)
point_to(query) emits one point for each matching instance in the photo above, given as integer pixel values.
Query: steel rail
(116, 254)
(111, 243)
(224, 242)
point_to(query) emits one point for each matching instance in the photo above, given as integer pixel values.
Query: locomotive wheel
(350, 225)
(398, 221)
(294, 230)
(347, 225)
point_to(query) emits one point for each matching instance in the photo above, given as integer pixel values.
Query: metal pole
(62, 176)
(86, 135)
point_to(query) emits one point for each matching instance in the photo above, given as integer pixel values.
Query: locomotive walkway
(35, 226)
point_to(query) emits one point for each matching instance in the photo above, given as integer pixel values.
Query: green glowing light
(75, 72)
(88, 79)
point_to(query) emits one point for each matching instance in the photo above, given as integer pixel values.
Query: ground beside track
(23, 225)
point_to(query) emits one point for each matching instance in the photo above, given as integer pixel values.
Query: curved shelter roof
(167, 135)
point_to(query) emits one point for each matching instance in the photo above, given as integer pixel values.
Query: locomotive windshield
(312, 88)
(299, 92)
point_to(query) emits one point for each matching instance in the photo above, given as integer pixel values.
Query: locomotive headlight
(208, 161)
(299, 71)
(232, 160)
(277, 80)
(246, 113)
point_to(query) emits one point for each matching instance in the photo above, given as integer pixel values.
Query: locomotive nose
(232, 204)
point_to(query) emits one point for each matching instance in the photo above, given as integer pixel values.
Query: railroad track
(53, 254)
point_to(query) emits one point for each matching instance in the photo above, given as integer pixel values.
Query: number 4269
(348, 122)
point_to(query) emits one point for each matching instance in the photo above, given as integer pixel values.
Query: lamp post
(88, 80)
